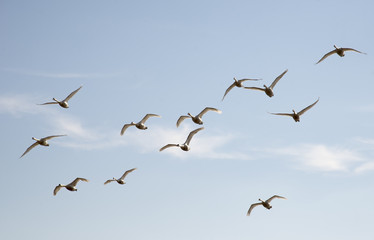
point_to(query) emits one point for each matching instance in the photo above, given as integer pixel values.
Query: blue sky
(171, 58)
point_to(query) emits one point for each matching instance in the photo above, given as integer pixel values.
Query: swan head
(132, 123)
(54, 99)
(260, 200)
(293, 111)
(189, 114)
(34, 139)
(265, 86)
(235, 79)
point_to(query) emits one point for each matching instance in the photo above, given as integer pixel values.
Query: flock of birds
(196, 119)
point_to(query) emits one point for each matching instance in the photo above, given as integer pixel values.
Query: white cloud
(323, 158)
(202, 145)
(18, 104)
(59, 75)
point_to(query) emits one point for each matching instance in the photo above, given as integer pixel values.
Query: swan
(296, 116)
(139, 125)
(197, 119)
(42, 141)
(70, 186)
(339, 51)
(63, 103)
(121, 179)
(266, 203)
(269, 90)
(238, 83)
(185, 146)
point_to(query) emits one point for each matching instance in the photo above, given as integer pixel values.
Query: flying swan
(266, 203)
(269, 90)
(63, 103)
(197, 119)
(121, 179)
(185, 146)
(70, 186)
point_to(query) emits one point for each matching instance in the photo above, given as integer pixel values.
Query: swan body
(139, 125)
(70, 186)
(186, 145)
(42, 141)
(238, 83)
(296, 115)
(63, 103)
(121, 179)
(265, 204)
(339, 51)
(197, 119)
(269, 90)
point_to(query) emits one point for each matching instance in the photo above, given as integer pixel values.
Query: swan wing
(188, 140)
(57, 188)
(127, 172)
(48, 103)
(108, 181)
(248, 79)
(208, 109)
(283, 114)
(251, 207)
(277, 79)
(74, 183)
(125, 127)
(29, 148)
(307, 108)
(326, 55)
(148, 116)
(72, 94)
(168, 145)
(275, 196)
(255, 88)
(228, 90)
(53, 136)
(180, 119)
(351, 49)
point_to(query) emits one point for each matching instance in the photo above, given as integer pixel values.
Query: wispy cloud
(18, 104)
(321, 157)
(59, 75)
(203, 145)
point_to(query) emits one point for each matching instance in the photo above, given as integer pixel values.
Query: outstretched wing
(108, 181)
(208, 109)
(283, 114)
(180, 119)
(53, 136)
(72, 94)
(251, 207)
(29, 148)
(275, 196)
(57, 188)
(248, 79)
(326, 55)
(255, 88)
(351, 49)
(148, 116)
(188, 140)
(228, 90)
(74, 183)
(48, 103)
(125, 127)
(277, 79)
(307, 108)
(127, 172)
(169, 145)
